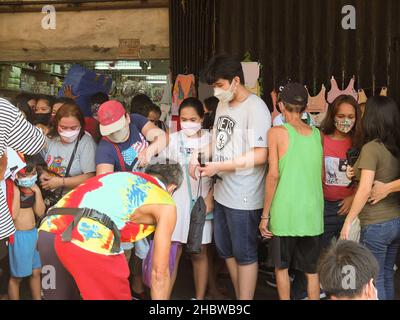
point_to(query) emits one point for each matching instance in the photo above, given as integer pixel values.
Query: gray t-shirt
(57, 156)
(237, 130)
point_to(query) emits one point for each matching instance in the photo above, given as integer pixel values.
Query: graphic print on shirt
(55, 165)
(335, 172)
(225, 127)
(133, 151)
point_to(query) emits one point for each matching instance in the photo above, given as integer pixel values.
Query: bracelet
(264, 218)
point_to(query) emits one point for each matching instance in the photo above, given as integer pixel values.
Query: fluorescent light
(119, 65)
(156, 82)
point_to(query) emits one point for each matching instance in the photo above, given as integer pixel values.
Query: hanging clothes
(336, 92)
(317, 103)
(251, 71)
(317, 106)
(275, 112)
(362, 96)
(185, 87)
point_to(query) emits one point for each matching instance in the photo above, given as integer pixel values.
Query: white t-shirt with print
(182, 154)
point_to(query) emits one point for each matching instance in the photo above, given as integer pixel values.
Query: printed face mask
(120, 136)
(224, 96)
(27, 182)
(70, 136)
(344, 125)
(190, 128)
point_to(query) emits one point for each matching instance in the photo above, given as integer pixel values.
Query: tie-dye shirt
(116, 195)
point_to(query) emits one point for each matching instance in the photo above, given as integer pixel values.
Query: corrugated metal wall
(192, 24)
(300, 39)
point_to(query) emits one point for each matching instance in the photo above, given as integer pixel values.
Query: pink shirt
(335, 181)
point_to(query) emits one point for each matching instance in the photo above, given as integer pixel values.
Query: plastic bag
(147, 263)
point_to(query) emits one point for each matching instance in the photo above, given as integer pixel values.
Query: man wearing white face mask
(239, 154)
(124, 145)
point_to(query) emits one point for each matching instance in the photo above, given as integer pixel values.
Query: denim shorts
(235, 233)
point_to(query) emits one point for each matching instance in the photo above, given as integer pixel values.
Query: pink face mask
(69, 136)
(190, 128)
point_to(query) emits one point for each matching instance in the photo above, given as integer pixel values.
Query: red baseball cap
(111, 116)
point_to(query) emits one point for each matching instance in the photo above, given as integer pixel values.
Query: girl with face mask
(71, 148)
(24, 258)
(341, 132)
(182, 145)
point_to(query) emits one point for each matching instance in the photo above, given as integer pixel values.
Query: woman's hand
(67, 91)
(193, 165)
(211, 169)
(379, 192)
(345, 206)
(344, 234)
(52, 183)
(144, 158)
(264, 228)
(350, 172)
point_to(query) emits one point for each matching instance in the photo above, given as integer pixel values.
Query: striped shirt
(20, 135)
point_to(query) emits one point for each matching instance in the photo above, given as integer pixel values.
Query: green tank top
(298, 205)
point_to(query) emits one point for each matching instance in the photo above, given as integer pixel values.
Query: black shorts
(300, 253)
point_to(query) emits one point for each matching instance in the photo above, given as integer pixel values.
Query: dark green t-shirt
(375, 157)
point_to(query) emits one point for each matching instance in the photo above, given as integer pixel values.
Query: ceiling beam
(80, 5)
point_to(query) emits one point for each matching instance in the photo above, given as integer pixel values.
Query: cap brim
(114, 127)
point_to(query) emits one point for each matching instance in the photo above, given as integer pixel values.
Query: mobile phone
(200, 158)
(352, 156)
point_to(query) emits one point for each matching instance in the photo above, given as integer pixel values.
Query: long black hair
(328, 125)
(381, 122)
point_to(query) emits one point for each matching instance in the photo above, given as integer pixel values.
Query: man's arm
(255, 157)
(24, 137)
(104, 168)
(160, 274)
(272, 179)
(158, 138)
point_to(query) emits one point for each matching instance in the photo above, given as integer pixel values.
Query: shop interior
(130, 77)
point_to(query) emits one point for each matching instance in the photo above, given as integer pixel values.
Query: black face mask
(43, 118)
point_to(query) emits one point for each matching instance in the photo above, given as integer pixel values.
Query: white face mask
(70, 136)
(224, 96)
(120, 136)
(190, 128)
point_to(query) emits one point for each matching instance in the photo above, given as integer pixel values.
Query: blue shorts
(235, 233)
(23, 255)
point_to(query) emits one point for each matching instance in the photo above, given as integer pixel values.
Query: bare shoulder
(277, 133)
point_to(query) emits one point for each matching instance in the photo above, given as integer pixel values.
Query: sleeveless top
(27, 200)
(298, 204)
(116, 195)
(317, 103)
(336, 92)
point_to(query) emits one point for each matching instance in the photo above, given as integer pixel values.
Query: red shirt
(91, 126)
(335, 181)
